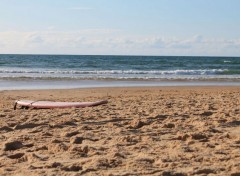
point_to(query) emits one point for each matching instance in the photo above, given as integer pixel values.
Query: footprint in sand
(135, 124)
(76, 140)
(14, 145)
(16, 156)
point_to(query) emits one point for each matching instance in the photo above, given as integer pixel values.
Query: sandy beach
(169, 131)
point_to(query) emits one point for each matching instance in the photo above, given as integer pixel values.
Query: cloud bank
(105, 41)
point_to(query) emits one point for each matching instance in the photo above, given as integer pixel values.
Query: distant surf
(154, 68)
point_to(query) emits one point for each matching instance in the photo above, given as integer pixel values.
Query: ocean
(102, 69)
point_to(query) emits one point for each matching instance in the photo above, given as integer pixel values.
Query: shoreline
(77, 84)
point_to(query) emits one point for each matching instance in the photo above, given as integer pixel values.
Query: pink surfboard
(52, 104)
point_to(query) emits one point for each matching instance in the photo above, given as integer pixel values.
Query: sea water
(14, 69)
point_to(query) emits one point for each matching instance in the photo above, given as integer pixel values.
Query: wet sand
(141, 131)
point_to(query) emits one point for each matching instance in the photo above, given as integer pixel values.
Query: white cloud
(2, 45)
(109, 41)
(34, 38)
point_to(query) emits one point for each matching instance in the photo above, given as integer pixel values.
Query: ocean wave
(115, 72)
(178, 74)
(120, 77)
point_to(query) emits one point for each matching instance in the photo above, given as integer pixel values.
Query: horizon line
(133, 55)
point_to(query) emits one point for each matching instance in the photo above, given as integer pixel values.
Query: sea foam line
(103, 72)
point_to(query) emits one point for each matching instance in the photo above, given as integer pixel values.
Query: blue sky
(125, 27)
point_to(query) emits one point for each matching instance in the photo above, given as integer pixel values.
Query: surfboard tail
(15, 105)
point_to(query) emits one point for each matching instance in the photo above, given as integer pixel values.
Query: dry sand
(142, 131)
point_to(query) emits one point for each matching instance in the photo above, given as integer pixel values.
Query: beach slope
(141, 131)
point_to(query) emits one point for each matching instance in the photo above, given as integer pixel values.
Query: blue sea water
(87, 67)
(79, 71)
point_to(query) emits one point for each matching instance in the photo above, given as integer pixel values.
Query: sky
(120, 27)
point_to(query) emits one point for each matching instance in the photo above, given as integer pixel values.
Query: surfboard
(52, 104)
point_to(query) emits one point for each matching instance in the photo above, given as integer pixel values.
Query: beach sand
(169, 131)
